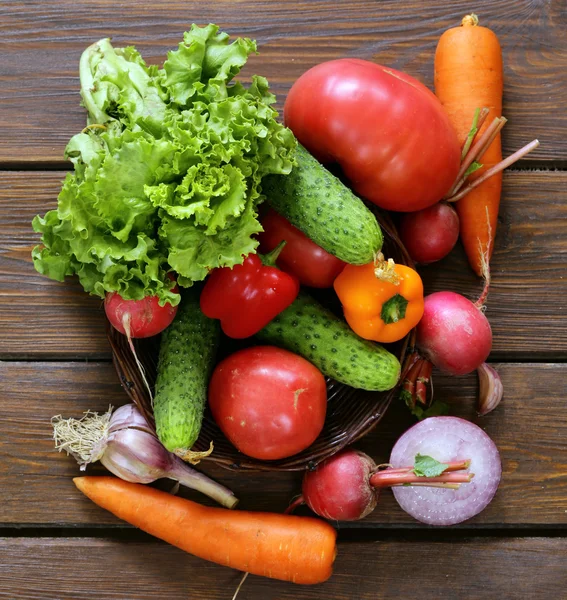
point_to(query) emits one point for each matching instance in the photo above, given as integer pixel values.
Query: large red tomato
(388, 132)
(270, 403)
(301, 257)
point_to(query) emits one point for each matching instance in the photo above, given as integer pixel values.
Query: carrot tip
(470, 20)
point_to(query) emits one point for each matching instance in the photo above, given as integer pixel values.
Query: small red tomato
(301, 257)
(270, 403)
(145, 317)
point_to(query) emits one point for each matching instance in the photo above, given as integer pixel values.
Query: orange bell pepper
(381, 301)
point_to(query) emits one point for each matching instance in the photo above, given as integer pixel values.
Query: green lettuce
(167, 172)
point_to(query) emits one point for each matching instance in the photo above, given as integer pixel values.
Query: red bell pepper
(247, 297)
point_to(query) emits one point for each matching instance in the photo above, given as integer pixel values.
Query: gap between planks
(352, 532)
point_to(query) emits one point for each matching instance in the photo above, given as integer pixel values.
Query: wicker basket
(351, 413)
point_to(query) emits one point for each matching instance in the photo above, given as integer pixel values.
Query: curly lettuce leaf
(167, 172)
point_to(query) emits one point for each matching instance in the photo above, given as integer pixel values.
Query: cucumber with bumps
(312, 331)
(327, 212)
(186, 359)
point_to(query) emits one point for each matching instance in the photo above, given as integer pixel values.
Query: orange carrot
(297, 549)
(468, 75)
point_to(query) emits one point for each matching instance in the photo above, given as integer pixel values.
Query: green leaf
(167, 174)
(426, 466)
(204, 64)
(475, 166)
(436, 409)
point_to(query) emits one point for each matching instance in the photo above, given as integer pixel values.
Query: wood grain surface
(526, 305)
(36, 486)
(41, 43)
(461, 569)
(54, 357)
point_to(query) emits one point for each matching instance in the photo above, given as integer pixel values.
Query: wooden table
(55, 359)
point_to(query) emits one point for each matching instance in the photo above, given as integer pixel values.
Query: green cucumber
(186, 358)
(312, 331)
(321, 206)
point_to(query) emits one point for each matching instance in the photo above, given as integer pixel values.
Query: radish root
(126, 324)
(485, 266)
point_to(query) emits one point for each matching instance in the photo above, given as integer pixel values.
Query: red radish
(138, 318)
(430, 234)
(339, 488)
(454, 334)
(448, 439)
(346, 486)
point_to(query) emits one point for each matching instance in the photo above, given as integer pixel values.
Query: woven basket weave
(351, 413)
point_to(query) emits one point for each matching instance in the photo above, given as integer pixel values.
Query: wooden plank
(39, 100)
(43, 318)
(514, 569)
(529, 429)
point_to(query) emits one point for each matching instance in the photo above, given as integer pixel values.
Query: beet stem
(495, 169)
(447, 486)
(422, 381)
(409, 382)
(478, 121)
(385, 479)
(475, 152)
(294, 504)
(459, 465)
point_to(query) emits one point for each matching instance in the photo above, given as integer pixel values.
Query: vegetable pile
(169, 175)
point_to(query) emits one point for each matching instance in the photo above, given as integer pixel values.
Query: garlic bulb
(127, 446)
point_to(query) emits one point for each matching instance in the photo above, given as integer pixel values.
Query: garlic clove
(491, 389)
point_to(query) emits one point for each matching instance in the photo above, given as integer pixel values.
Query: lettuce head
(167, 171)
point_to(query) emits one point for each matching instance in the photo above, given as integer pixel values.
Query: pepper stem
(269, 259)
(385, 270)
(394, 309)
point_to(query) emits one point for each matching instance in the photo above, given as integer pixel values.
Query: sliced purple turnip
(448, 439)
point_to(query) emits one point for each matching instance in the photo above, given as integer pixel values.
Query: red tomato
(388, 132)
(301, 257)
(270, 403)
